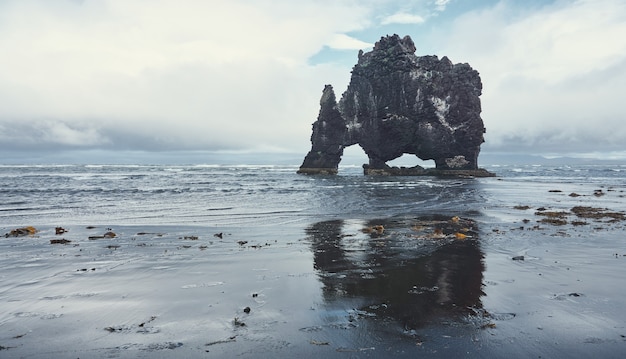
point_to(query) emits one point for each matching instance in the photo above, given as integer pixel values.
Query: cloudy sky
(88, 77)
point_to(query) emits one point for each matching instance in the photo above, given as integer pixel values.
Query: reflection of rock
(399, 103)
(406, 277)
(326, 238)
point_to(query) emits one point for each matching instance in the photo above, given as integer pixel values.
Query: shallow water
(304, 255)
(214, 195)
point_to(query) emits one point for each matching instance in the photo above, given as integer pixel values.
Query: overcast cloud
(238, 75)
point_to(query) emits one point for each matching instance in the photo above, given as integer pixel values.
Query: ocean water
(263, 195)
(258, 261)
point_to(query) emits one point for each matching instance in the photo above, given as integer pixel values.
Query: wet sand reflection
(414, 271)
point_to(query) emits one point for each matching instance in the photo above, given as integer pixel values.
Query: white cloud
(552, 76)
(403, 18)
(64, 134)
(234, 74)
(440, 5)
(219, 74)
(345, 42)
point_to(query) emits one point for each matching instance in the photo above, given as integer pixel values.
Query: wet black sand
(502, 280)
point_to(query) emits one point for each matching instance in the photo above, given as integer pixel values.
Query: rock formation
(399, 103)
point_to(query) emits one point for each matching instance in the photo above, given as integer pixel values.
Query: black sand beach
(530, 271)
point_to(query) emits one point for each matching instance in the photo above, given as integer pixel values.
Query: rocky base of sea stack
(317, 171)
(420, 171)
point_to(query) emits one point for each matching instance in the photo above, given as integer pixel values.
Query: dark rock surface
(328, 138)
(399, 103)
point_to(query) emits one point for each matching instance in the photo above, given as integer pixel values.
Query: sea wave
(259, 194)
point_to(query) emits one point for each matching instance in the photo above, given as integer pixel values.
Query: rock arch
(399, 103)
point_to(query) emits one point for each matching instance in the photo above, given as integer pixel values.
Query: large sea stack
(399, 103)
